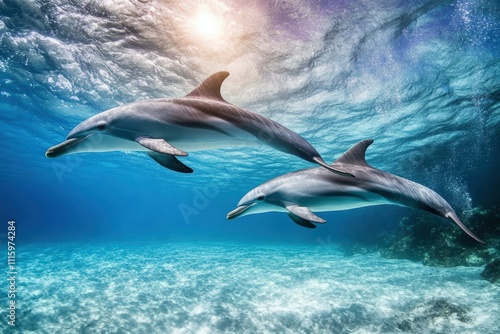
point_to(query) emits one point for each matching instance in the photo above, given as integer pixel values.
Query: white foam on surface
(334, 72)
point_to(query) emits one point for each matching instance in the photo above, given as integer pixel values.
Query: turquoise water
(115, 243)
(229, 287)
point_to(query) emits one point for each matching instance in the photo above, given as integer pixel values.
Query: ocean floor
(192, 287)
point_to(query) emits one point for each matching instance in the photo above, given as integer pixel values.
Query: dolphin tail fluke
(453, 216)
(336, 171)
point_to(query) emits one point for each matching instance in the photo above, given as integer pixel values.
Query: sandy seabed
(241, 288)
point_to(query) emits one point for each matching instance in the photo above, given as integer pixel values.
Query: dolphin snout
(63, 148)
(239, 211)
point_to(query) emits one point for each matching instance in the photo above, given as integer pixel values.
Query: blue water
(113, 242)
(244, 288)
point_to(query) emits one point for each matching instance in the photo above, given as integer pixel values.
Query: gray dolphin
(167, 128)
(315, 189)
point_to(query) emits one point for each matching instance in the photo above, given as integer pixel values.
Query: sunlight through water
(113, 242)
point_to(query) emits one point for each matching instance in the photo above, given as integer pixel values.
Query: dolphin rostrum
(167, 128)
(315, 189)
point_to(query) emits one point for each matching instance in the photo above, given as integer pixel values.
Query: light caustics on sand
(245, 288)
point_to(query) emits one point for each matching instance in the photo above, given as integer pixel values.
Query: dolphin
(315, 189)
(168, 128)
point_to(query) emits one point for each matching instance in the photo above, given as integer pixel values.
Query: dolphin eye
(102, 126)
(260, 198)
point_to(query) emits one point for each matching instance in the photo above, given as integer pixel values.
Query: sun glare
(209, 28)
(208, 24)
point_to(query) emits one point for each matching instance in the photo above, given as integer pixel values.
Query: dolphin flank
(169, 128)
(315, 189)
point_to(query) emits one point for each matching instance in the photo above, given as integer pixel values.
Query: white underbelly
(339, 203)
(198, 140)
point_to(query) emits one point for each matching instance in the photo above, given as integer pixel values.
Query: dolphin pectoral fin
(170, 162)
(304, 213)
(301, 221)
(160, 146)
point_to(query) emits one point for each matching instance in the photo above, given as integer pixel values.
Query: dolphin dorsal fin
(210, 87)
(356, 154)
